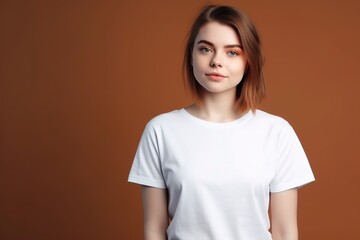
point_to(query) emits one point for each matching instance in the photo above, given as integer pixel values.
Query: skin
(283, 206)
(217, 50)
(156, 218)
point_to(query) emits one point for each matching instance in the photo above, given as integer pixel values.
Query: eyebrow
(226, 46)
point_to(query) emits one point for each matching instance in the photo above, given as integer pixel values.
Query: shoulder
(270, 122)
(164, 119)
(270, 119)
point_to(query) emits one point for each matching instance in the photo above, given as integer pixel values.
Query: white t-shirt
(219, 175)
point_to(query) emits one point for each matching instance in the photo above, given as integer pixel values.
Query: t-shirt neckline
(236, 122)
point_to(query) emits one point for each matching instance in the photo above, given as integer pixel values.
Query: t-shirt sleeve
(292, 166)
(146, 167)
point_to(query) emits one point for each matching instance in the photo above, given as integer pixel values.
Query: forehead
(217, 33)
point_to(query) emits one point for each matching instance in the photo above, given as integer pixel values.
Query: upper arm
(156, 218)
(283, 207)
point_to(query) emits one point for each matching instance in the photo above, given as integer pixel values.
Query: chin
(215, 90)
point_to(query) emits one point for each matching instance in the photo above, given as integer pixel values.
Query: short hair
(251, 90)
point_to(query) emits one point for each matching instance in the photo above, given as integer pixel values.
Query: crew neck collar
(211, 124)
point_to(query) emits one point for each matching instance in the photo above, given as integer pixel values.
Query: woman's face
(218, 59)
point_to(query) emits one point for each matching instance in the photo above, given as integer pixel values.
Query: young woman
(209, 170)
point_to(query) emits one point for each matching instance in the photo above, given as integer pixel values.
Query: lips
(215, 76)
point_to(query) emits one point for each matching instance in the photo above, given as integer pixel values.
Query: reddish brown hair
(251, 90)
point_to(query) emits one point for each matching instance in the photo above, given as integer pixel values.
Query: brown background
(80, 79)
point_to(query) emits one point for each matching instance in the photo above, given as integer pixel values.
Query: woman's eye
(205, 50)
(233, 53)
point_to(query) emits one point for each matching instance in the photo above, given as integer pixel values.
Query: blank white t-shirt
(219, 175)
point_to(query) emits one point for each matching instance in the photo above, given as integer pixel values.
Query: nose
(216, 61)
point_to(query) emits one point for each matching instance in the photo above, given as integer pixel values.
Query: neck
(216, 108)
